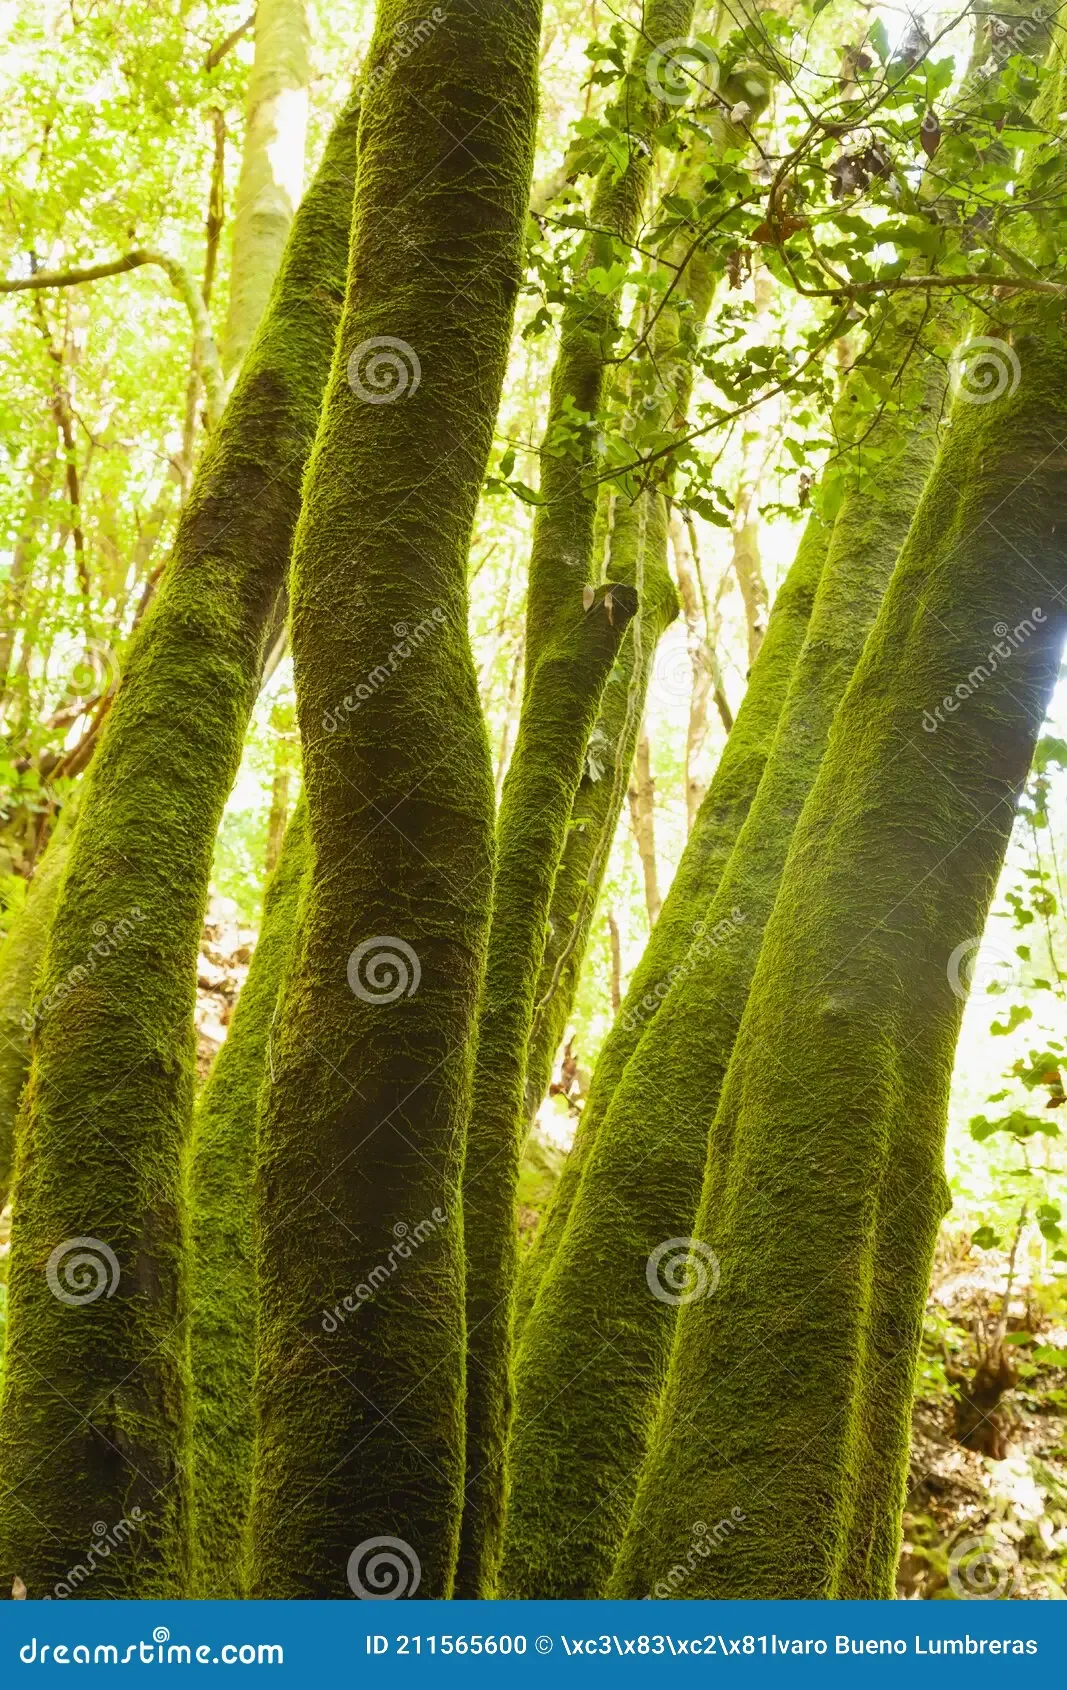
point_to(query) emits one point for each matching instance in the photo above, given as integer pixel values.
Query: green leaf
(985, 1238)
(527, 494)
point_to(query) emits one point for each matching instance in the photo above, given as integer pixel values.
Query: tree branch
(184, 287)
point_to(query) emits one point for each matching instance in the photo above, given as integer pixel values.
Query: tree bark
(222, 1324)
(272, 168)
(825, 1184)
(112, 1069)
(361, 1427)
(643, 823)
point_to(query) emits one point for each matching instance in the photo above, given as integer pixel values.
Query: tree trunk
(20, 959)
(361, 1410)
(643, 822)
(222, 1278)
(272, 168)
(825, 1184)
(113, 1064)
(649, 1151)
(707, 851)
(570, 648)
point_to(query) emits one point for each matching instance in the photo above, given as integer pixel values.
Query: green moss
(715, 831)
(20, 959)
(95, 1408)
(222, 1326)
(641, 1180)
(361, 1411)
(825, 1184)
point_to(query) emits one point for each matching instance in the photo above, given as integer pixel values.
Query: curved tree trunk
(222, 1328)
(649, 1151)
(361, 1412)
(825, 1184)
(113, 1064)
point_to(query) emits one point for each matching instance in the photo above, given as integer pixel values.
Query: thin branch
(184, 287)
(221, 48)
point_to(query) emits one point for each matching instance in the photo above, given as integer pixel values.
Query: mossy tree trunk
(641, 1181)
(361, 1410)
(94, 1419)
(222, 1327)
(570, 649)
(20, 960)
(825, 1184)
(719, 820)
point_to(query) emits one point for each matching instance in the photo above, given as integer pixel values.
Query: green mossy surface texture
(95, 1418)
(718, 822)
(573, 1468)
(535, 810)
(570, 652)
(825, 1186)
(361, 1428)
(222, 1327)
(563, 527)
(20, 959)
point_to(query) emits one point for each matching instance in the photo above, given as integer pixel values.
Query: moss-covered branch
(20, 960)
(110, 1091)
(222, 1329)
